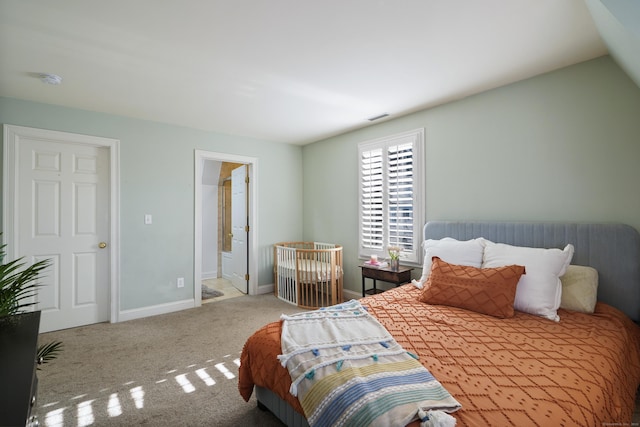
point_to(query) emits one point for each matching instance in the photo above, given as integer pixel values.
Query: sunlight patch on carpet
(84, 407)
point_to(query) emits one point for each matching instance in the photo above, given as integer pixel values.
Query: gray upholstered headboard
(612, 249)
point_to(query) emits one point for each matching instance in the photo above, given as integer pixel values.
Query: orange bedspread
(526, 370)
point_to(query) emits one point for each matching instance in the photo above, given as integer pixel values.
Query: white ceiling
(292, 71)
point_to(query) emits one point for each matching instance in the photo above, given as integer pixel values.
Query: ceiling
(291, 71)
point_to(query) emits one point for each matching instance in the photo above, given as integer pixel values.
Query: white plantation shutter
(371, 206)
(391, 195)
(400, 200)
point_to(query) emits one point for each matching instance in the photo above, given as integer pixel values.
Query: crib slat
(308, 274)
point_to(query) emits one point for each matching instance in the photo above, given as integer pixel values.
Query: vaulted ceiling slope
(618, 22)
(288, 70)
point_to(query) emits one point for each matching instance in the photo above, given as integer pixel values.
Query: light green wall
(157, 176)
(564, 146)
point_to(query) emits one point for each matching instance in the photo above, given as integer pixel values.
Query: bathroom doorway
(219, 258)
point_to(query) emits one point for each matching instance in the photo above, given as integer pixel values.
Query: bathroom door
(239, 224)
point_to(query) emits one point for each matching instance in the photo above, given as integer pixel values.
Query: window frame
(416, 138)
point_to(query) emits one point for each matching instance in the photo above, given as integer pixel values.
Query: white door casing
(238, 226)
(59, 204)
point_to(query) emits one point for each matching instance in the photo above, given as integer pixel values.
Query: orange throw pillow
(484, 290)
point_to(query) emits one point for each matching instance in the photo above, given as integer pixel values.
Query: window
(391, 195)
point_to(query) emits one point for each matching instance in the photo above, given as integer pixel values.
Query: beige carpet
(178, 369)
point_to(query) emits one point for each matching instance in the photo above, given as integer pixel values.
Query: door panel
(238, 224)
(63, 193)
(49, 294)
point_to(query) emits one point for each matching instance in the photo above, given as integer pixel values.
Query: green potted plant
(18, 287)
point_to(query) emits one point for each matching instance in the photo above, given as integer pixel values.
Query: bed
(583, 370)
(308, 274)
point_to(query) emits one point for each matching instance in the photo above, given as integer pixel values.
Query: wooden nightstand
(399, 277)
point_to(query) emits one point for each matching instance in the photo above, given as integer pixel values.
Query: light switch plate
(148, 219)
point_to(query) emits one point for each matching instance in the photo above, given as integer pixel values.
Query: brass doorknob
(102, 245)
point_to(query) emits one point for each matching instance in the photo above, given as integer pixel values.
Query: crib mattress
(309, 270)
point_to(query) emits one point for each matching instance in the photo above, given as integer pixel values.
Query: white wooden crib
(308, 274)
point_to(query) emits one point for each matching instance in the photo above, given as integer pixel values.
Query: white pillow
(539, 290)
(579, 289)
(452, 251)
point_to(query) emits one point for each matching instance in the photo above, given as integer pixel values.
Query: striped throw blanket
(347, 370)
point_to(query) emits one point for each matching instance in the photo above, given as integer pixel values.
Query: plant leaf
(48, 352)
(18, 282)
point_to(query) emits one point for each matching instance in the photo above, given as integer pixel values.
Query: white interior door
(64, 215)
(239, 223)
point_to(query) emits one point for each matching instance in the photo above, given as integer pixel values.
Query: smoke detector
(50, 79)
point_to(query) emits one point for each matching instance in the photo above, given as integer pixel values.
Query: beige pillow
(579, 289)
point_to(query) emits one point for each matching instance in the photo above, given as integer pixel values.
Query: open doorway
(224, 246)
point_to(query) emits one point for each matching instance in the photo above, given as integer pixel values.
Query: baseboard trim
(154, 310)
(265, 289)
(349, 294)
(209, 275)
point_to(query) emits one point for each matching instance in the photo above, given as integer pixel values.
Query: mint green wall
(564, 146)
(157, 176)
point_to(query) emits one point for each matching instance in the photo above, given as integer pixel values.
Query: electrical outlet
(180, 282)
